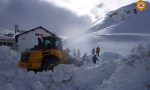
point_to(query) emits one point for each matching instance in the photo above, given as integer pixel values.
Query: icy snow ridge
(112, 72)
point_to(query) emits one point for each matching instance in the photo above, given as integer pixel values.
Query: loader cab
(52, 42)
(49, 42)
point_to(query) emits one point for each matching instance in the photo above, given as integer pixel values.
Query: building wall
(29, 40)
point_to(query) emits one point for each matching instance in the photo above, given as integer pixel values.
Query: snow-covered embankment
(112, 72)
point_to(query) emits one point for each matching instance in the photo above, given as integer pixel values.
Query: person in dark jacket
(97, 51)
(94, 58)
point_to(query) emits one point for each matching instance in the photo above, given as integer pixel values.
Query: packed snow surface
(112, 72)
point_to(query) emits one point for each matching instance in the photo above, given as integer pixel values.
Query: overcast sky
(64, 17)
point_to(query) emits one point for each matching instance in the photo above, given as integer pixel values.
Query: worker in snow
(74, 53)
(85, 57)
(94, 58)
(78, 53)
(97, 51)
(93, 51)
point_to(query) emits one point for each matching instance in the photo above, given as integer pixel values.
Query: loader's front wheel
(48, 63)
(28, 70)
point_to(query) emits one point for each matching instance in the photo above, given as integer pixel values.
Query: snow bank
(37, 85)
(64, 76)
(109, 56)
(8, 86)
(128, 73)
(7, 55)
(132, 74)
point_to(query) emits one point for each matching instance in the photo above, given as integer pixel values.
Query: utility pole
(16, 29)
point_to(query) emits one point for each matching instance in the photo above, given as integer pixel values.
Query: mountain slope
(125, 20)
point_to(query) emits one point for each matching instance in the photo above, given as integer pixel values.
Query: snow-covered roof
(6, 31)
(4, 34)
(2, 37)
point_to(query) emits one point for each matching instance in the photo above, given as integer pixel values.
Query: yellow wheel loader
(45, 56)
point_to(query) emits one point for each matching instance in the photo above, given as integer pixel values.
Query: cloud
(32, 13)
(80, 7)
(93, 8)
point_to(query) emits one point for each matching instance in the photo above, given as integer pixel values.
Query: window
(2, 43)
(48, 43)
(9, 44)
(58, 44)
(52, 43)
(6, 43)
